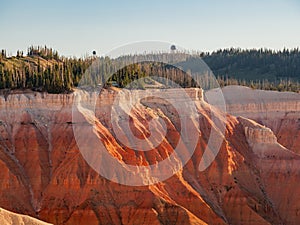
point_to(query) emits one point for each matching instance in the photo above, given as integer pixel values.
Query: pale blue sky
(77, 27)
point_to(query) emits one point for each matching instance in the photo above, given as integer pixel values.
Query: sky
(76, 28)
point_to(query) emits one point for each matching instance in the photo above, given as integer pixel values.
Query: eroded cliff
(280, 111)
(43, 173)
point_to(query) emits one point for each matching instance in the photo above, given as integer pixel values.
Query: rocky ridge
(44, 174)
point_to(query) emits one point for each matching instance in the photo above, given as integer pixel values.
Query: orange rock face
(253, 180)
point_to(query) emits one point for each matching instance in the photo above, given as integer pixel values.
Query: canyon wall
(280, 111)
(43, 173)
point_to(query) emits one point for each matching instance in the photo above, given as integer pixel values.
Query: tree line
(43, 69)
(255, 64)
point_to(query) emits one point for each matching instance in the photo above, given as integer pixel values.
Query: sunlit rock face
(253, 179)
(8, 218)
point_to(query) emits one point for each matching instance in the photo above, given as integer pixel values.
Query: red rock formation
(43, 173)
(279, 111)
